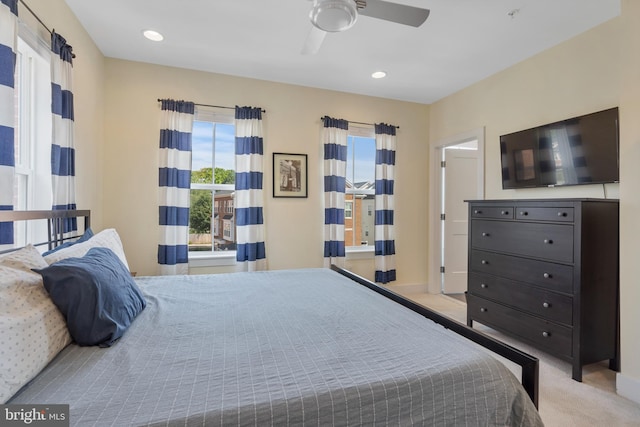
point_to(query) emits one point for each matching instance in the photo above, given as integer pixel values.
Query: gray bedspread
(292, 347)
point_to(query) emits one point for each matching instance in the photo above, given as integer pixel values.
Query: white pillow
(108, 238)
(32, 329)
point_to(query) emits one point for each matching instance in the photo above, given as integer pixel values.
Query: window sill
(212, 259)
(360, 252)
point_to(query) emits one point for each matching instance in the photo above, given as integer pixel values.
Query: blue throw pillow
(96, 294)
(88, 233)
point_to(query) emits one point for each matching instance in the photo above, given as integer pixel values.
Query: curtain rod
(362, 123)
(73, 55)
(215, 106)
(35, 16)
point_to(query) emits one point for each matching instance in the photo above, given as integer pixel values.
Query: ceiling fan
(340, 15)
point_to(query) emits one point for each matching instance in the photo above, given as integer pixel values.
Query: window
(360, 187)
(32, 188)
(348, 210)
(211, 218)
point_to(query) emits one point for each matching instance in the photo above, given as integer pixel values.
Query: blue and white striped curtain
(334, 139)
(249, 201)
(174, 179)
(63, 169)
(385, 245)
(8, 37)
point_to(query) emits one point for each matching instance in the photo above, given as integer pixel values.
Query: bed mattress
(291, 347)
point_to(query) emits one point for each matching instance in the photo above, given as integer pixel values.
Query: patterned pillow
(108, 238)
(32, 329)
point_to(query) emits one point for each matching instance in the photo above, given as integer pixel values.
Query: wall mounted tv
(581, 150)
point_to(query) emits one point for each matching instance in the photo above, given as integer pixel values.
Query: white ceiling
(462, 41)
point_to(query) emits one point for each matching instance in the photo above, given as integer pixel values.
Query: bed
(290, 347)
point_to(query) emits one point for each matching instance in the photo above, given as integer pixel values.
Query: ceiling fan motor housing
(334, 15)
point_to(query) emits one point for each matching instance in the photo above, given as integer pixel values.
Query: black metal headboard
(55, 222)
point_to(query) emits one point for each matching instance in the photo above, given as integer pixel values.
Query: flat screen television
(581, 150)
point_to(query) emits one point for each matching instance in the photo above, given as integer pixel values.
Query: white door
(460, 184)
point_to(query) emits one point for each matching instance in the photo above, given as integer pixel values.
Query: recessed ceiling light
(379, 74)
(153, 35)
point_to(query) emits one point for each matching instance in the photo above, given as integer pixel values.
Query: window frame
(348, 209)
(360, 251)
(33, 129)
(213, 258)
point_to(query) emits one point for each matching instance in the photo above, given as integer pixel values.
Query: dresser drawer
(549, 275)
(548, 336)
(544, 214)
(547, 241)
(493, 212)
(543, 303)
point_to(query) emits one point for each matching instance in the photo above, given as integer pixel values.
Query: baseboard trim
(410, 288)
(628, 387)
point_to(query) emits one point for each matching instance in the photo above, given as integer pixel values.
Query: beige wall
(291, 125)
(577, 77)
(629, 381)
(591, 72)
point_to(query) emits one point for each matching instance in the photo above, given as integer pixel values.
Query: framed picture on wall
(289, 175)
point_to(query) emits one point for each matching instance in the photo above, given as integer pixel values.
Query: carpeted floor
(563, 401)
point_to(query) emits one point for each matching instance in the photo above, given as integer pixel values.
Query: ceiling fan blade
(313, 41)
(394, 12)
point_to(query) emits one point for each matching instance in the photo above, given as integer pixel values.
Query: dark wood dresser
(546, 272)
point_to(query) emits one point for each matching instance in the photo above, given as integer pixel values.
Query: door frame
(435, 196)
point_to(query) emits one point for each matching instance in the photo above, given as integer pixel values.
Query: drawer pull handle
(482, 309)
(546, 276)
(485, 234)
(505, 212)
(548, 241)
(546, 304)
(484, 262)
(563, 214)
(524, 213)
(546, 334)
(477, 212)
(483, 285)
